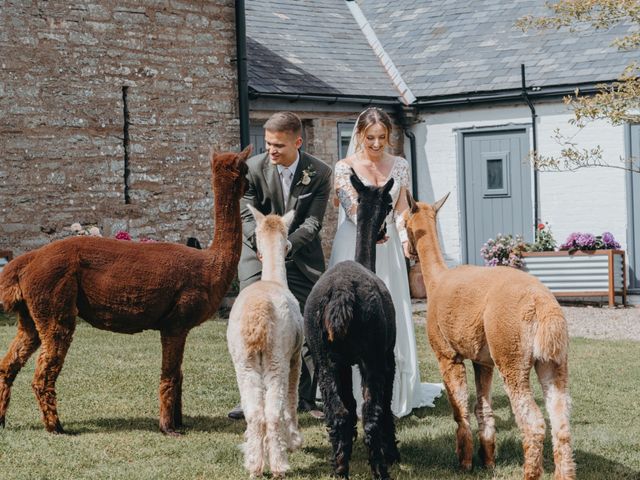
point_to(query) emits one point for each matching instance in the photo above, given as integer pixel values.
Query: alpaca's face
(231, 168)
(374, 203)
(271, 237)
(271, 234)
(420, 218)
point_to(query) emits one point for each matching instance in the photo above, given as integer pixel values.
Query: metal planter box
(580, 274)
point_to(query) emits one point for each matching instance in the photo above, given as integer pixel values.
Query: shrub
(505, 250)
(588, 241)
(544, 240)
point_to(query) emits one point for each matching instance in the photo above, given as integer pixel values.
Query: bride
(374, 166)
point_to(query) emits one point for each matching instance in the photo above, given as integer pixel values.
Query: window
(345, 129)
(495, 174)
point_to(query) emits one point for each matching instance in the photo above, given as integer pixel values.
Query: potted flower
(585, 265)
(504, 250)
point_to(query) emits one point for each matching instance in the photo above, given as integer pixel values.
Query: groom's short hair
(284, 122)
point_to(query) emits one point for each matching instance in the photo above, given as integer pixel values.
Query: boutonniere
(307, 174)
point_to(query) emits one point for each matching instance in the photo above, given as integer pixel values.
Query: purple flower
(609, 242)
(586, 241)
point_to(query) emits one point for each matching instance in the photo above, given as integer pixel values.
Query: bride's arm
(347, 195)
(402, 205)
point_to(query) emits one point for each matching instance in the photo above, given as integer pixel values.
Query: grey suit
(305, 261)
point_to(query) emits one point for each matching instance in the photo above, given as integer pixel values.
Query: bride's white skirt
(408, 391)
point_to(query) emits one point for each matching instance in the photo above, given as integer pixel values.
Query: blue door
(497, 188)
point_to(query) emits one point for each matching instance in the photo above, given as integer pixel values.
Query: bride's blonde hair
(370, 117)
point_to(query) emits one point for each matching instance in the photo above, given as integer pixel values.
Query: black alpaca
(350, 320)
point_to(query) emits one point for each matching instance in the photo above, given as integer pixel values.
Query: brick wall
(63, 67)
(321, 141)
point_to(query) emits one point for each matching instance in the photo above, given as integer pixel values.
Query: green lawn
(107, 398)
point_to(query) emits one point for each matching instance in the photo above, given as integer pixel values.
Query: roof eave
(506, 95)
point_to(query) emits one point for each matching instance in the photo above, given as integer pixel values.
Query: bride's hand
(383, 240)
(407, 251)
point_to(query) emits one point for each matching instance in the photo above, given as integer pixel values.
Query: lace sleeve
(402, 173)
(402, 177)
(344, 190)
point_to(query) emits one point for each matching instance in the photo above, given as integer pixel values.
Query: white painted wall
(588, 200)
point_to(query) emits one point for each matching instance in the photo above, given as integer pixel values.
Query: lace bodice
(349, 197)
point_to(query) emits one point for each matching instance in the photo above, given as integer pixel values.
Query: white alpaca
(264, 338)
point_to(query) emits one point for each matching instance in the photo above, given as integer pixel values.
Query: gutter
(510, 95)
(330, 99)
(243, 77)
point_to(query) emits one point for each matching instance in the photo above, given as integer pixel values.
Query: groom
(283, 179)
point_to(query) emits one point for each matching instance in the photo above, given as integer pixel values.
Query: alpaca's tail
(551, 340)
(257, 319)
(10, 291)
(339, 312)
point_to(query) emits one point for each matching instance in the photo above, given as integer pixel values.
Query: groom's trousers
(300, 286)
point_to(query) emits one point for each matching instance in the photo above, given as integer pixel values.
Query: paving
(585, 321)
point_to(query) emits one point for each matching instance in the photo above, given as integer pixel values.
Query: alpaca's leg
(484, 414)
(177, 409)
(345, 390)
(554, 378)
(455, 380)
(171, 380)
(56, 336)
(337, 417)
(291, 412)
(276, 399)
(528, 417)
(252, 392)
(22, 347)
(389, 444)
(373, 382)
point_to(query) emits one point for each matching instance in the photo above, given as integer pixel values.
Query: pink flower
(122, 235)
(541, 226)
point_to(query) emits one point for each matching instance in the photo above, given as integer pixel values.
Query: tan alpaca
(123, 287)
(265, 338)
(495, 316)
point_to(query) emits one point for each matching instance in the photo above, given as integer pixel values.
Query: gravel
(586, 321)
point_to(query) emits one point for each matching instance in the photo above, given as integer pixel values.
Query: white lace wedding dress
(408, 391)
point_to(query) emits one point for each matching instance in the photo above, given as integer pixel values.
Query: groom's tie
(287, 177)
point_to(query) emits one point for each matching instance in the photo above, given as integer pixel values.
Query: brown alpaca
(123, 287)
(495, 316)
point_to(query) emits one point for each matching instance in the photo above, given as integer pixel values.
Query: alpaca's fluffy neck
(227, 237)
(365, 243)
(431, 260)
(273, 267)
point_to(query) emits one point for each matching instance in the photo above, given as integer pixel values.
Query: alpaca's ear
(438, 205)
(413, 206)
(356, 182)
(388, 186)
(256, 214)
(244, 154)
(288, 218)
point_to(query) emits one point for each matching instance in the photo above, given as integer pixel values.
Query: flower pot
(581, 273)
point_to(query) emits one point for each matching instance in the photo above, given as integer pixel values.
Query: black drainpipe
(535, 148)
(413, 151)
(243, 84)
(412, 147)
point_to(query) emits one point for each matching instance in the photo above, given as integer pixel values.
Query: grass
(107, 396)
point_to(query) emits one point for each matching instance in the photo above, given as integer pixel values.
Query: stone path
(585, 321)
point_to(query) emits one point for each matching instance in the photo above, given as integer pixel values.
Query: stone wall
(321, 141)
(83, 83)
